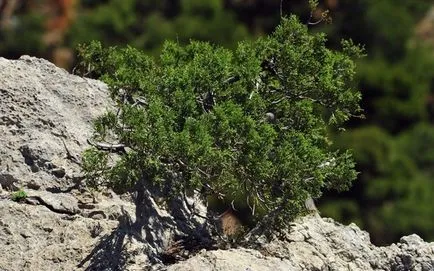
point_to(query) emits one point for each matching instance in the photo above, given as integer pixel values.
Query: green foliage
(19, 195)
(251, 121)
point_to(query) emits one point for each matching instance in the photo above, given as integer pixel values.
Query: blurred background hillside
(393, 145)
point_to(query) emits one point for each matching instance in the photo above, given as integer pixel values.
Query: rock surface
(315, 243)
(44, 114)
(45, 119)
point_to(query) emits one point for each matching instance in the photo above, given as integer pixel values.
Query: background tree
(147, 24)
(392, 195)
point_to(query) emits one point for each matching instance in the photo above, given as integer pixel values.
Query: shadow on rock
(149, 237)
(110, 254)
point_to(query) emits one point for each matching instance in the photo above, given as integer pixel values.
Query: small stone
(77, 177)
(49, 165)
(61, 203)
(58, 172)
(34, 168)
(31, 201)
(411, 240)
(86, 206)
(7, 181)
(47, 229)
(96, 230)
(33, 185)
(98, 215)
(26, 234)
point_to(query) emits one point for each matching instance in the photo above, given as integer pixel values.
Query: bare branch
(315, 23)
(233, 206)
(107, 146)
(69, 156)
(231, 80)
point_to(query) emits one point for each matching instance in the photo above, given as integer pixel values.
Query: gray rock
(315, 243)
(58, 172)
(60, 203)
(8, 181)
(42, 106)
(35, 238)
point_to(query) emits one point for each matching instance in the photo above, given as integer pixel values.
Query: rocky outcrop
(315, 243)
(45, 120)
